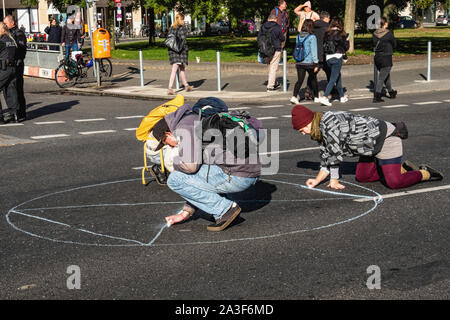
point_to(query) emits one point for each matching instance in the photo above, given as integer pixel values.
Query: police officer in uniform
(8, 70)
(21, 51)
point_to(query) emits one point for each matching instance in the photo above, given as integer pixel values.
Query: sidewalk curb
(235, 96)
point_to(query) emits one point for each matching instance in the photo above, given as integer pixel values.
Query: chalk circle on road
(125, 213)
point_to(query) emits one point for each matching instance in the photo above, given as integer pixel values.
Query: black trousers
(8, 82)
(312, 80)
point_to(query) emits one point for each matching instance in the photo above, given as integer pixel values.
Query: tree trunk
(110, 24)
(151, 28)
(349, 22)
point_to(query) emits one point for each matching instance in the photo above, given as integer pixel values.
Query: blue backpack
(299, 51)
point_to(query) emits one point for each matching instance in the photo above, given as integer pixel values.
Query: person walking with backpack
(178, 60)
(376, 142)
(384, 45)
(336, 45)
(282, 19)
(305, 54)
(270, 38)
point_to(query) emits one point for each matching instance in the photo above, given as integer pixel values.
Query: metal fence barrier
(44, 55)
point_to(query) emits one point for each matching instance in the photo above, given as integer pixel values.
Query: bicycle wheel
(105, 67)
(64, 77)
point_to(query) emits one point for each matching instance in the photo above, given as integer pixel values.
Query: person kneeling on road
(375, 141)
(199, 178)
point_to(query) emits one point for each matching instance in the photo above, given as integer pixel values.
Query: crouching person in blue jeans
(203, 180)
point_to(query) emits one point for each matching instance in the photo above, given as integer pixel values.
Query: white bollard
(219, 88)
(177, 81)
(141, 67)
(284, 71)
(429, 61)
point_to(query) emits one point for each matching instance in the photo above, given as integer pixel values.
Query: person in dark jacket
(277, 38)
(384, 45)
(54, 33)
(380, 151)
(19, 57)
(336, 45)
(70, 37)
(282, 16)
(8, 72)
(178, 60)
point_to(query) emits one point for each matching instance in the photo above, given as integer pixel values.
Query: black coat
(340, 41)
(54, 34)
(182, 57)
(70, 36)
(277, 34)
(384, 44)
(320, 27)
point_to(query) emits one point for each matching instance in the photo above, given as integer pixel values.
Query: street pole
(218, 72)
(429, 61)
(284, 71)
(90, 35)
(141, 67)
(4, 10)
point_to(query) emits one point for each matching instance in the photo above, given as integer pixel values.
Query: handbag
(175, 43)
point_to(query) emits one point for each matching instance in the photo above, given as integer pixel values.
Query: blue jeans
(335, 65)
(74, 47)
(206, 195)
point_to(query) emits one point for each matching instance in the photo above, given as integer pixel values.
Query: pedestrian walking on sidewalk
(270, 37)
(376, 142)
(336, 45)
(310, 63)
(282, 19)
(179, 60)
(384, 45)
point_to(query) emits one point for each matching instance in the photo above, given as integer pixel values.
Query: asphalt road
(76, 199)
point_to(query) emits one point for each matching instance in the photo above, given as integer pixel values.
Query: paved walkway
(247, 81)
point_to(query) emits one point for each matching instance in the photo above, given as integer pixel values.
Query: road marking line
(50, 136)
(287, 116)
(49, 122)
(288, 151)
(446, 100)
(129, 117)
(90, 120)
(395, 106)
(96, 132)
(130, 129)
(359, 98)
(427, 102)
(267, 118)
(363, 109)
(11, 125)
(268, 107)
(242, 108)
(404, 193)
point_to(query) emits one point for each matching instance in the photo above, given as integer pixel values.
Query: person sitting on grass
(375, 141)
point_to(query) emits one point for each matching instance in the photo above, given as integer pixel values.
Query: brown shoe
(189, 88)
(170, 92)
(226, 219)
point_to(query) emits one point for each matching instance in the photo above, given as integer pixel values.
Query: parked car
(406, 22)
(220, 28)
(442, 21)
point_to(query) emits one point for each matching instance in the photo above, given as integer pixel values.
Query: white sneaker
(316, 100)
(344, 99)
(294, 100)
(325, 101)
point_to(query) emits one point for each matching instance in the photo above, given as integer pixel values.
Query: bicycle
(70, 71)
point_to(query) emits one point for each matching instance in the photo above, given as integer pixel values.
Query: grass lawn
(410, 42)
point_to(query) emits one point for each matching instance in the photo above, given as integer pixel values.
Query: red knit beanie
(301, 117)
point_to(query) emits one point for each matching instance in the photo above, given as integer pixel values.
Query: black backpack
(265, 46)
(329, 47)
(232, 126)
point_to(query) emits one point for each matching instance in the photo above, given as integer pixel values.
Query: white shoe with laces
(344, 99)
(316, 100)
(325, 101)
(294, 100)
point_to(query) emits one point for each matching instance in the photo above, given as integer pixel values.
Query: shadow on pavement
(51, 108)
